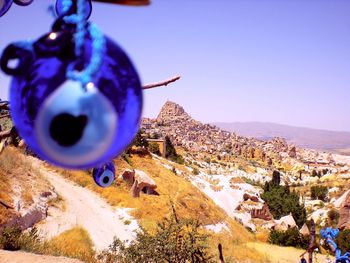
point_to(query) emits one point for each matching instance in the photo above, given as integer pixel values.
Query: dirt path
(23, 257)
(86, 209)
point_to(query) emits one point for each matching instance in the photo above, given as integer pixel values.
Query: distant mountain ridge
(300, 136)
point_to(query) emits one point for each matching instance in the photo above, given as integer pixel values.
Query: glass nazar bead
(104, 175)
(63, 121)
(6, 4)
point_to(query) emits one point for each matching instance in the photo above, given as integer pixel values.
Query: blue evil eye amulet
(75, 111)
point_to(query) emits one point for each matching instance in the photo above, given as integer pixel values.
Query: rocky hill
(194, 136)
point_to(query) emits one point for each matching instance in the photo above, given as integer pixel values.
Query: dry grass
(262, 235)
(5, 196)
(58, 203)
(236, 180)
(276, 254)
(216, 188)
(10, 169)
(74, 243)
(234, 250)
(18, 178)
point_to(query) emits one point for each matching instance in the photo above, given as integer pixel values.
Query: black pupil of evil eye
(106, 180)
(67, 129)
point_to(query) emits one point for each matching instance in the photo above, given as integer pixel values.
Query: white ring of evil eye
(100, 124)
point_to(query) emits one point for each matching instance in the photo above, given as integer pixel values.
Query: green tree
(282, 202)
(153, 147)
(343, 240)
(276, 178)
(333, 216)
(139, 140)
(171, 153)
(319, 192)
(195, 171)
(290, 237)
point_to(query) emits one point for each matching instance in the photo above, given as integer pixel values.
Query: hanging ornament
(126, 2)
(6, 4)
(75, 96)
(104, 175)
(61, 6)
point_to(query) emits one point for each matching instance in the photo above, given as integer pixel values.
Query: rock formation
(142, 182)
(344, 212)
(252, 198)
(128, 176)
(292, 152)
(171, 111)
(285, 222)
(304, 230)
(263, 213)
(37, 213)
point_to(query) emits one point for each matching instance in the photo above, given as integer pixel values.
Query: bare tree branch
(4, 106)
(5, 134)
(126, 2)
(221, 256)
(6, 205)
(162, 83)
(4, 116)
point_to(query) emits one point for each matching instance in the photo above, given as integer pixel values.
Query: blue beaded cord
(98, 43)
(330, 235)
(98, 50)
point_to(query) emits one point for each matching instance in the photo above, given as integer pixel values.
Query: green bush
(333, 216)
(12, 238)
(139, 140)
(195, 171)
(343, 240)
(126, 158)
(153, 147)
(171, 153)
(319, 192)
(174, 241)
(290, 237)
(282, 202)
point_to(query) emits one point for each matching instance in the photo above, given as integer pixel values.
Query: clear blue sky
(283, 61)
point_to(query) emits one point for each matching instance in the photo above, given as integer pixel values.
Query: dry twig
(161, 83)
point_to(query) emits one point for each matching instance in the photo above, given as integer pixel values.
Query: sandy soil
(86, 209)
(23, 257)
